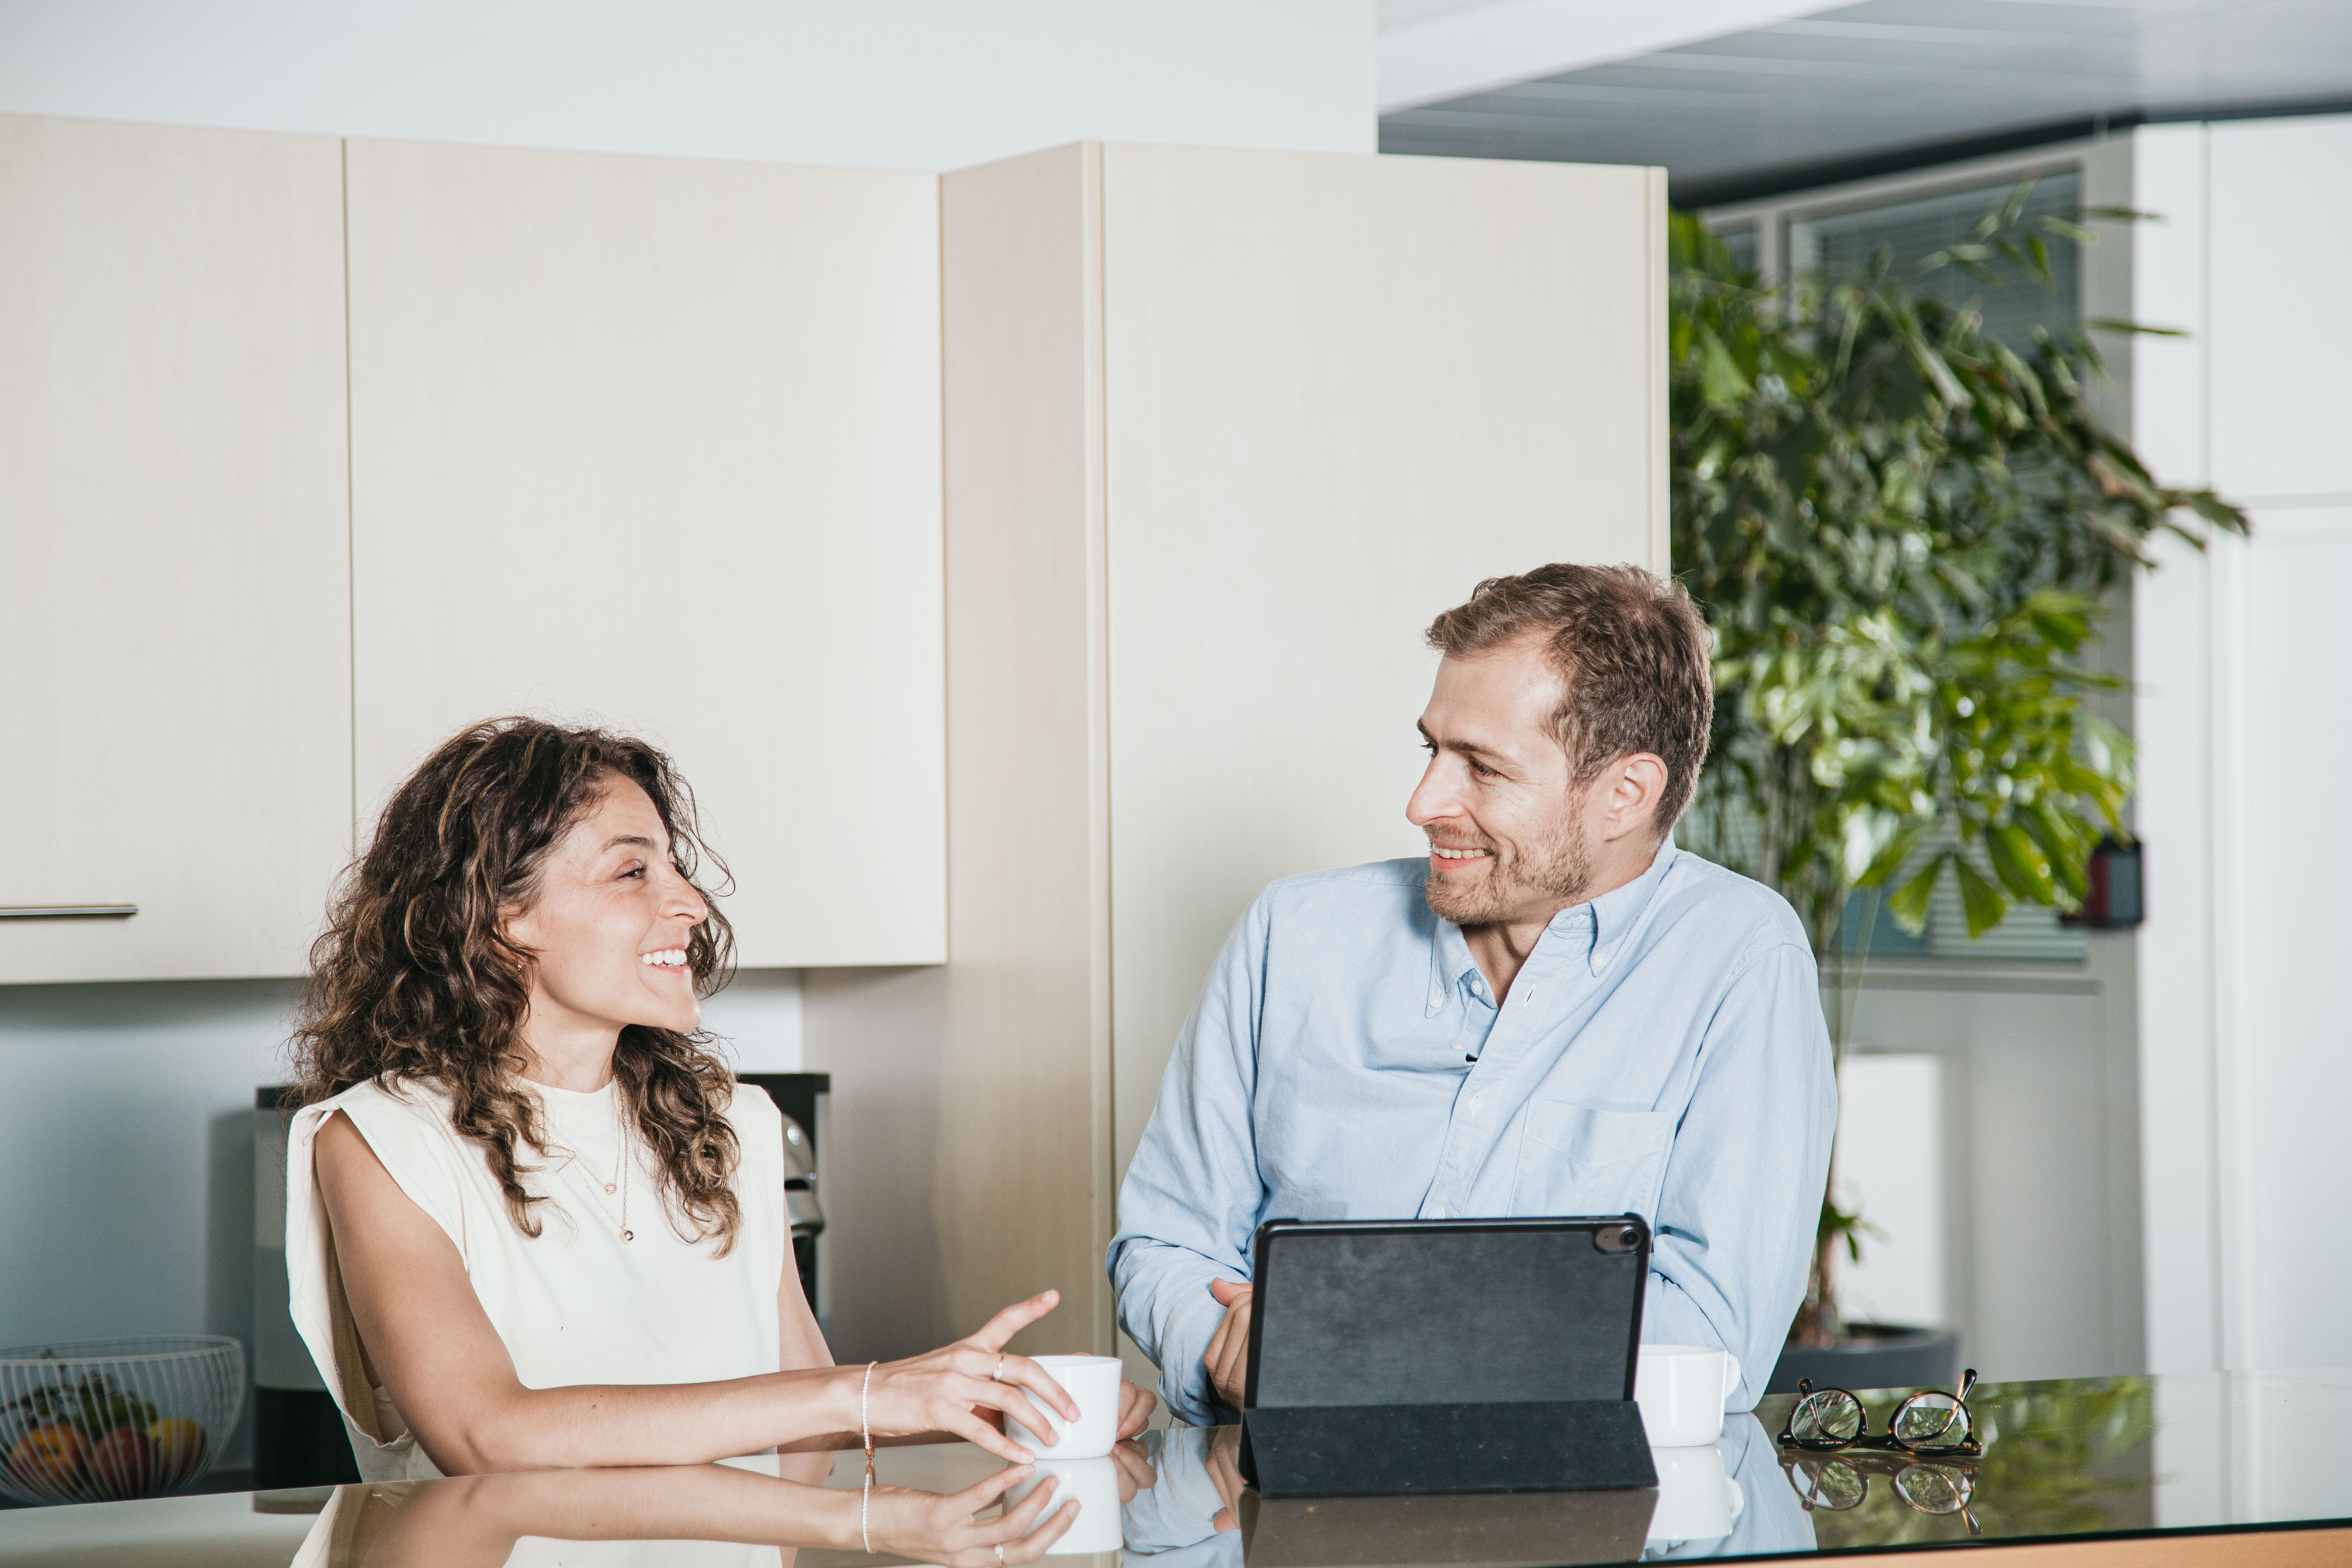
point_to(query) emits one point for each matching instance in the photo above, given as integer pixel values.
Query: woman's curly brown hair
(416, 982)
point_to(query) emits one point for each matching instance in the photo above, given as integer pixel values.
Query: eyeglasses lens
(1930, 1422)
(1832, 1483)
(1832, 1416)
(1933, 1488)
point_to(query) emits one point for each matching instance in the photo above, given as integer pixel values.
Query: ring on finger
(997, 1376)
(1000, 1551)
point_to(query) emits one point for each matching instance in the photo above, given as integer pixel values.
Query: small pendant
(628, 1235)
(608, 1187)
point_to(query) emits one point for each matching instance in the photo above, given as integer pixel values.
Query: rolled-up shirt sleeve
(1193, 1195)
(1741, 1202)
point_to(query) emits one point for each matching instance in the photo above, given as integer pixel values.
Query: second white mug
(1681, 1390)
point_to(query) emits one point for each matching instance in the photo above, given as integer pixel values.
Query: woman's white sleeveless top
(574, 1305)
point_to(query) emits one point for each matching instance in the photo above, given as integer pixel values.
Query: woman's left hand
(1135, 1408)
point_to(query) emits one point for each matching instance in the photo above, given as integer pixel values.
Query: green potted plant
(1902, 530)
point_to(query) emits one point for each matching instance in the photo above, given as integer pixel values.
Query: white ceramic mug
(1093, 1381)
(1095, 1483)
(1697, 1499)
(1681, 1390)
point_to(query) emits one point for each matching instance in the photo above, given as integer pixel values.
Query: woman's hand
(945, 1390)
(946, 1530)
(1135, 1408)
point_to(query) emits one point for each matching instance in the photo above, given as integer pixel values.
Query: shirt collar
(1608, 921)
(1600, 925)
(1449, 963)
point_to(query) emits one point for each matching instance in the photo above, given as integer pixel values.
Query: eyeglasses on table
(1931, 1423)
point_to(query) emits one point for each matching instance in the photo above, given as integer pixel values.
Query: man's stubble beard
(1556, 868)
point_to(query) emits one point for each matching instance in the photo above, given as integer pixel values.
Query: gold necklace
(572, 1161)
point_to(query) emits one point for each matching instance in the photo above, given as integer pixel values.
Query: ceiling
(1782, 96)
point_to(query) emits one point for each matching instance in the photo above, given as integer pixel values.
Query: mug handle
(1738, 1498)
(1730, 1373)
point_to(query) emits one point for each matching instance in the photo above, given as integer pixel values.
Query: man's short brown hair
(1633, 656)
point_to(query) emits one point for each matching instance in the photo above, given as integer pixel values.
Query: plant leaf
(2019, 862)
(1892, 856)
(1980, 898)
(1910, 902)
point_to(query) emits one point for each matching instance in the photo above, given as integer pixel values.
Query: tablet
(1455, 1311)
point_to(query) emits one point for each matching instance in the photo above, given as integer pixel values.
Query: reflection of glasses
(1840, 1483)
(1930, 1422)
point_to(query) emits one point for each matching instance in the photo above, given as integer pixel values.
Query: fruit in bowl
(48, 1459)
(123, 1463)
(115, 1419)
(179, 1448)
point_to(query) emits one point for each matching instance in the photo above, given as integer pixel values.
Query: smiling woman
(530, 1222)
(499, 939)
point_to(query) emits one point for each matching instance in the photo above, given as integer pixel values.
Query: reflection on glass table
(2059, 1458)
(2078, 1461)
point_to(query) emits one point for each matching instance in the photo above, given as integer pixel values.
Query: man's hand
(1135, 1471)
(1135, 1408)
(1225, 1474)
(1227, 1359)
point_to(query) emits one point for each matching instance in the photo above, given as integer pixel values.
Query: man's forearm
(1672, 1315)
(1165, 1307)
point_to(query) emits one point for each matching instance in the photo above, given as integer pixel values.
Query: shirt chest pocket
(1574, 1160)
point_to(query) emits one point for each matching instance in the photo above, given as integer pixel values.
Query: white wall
(2244, 1070)
(913, 84)
(2034, 1155)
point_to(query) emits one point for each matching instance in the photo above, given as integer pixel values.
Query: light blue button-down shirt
(1662, 1053)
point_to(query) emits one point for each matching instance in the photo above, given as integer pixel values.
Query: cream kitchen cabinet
(1225, 430)
(175, 715)
(657, 442)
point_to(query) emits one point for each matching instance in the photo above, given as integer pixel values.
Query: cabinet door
(656, 442)
(175, 724)
(1340, 392)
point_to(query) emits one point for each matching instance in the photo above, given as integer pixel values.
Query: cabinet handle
(68, 911)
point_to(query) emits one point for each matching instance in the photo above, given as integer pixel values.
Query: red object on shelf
(2116, 901)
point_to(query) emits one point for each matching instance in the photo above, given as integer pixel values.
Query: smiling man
(1555, 1012)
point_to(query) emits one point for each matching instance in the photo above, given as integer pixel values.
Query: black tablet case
(1405, 1356)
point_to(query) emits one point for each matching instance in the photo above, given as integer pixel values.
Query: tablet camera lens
(1628, 1236)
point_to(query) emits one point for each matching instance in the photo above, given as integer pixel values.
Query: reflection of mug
(1095, 1483)
(1696, 1500)
(1681, 1390)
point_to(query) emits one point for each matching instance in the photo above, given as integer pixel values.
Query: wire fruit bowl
(110, 1419)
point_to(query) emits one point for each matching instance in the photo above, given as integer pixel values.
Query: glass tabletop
(2081, 1460)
